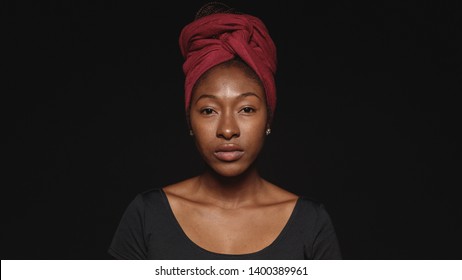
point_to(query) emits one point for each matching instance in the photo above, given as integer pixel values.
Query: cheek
(202, 128)
(255, 134)
(203, 135)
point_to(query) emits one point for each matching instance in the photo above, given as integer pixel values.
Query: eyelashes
(207, 111)
(245, 110)
(248, 110)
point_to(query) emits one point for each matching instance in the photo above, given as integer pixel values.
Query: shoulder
(312, 207)
(311, 214)
(318, 231)
(151, 193)
(149, 208)
(148, 196)
(311, 204)
(147, 201)
(158, 193)
(180, 189)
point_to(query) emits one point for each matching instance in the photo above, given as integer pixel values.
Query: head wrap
(216, 38)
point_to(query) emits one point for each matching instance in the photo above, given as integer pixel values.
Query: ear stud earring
(191, 133)
(268, 131)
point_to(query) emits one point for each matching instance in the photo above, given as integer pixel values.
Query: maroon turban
(216, 38)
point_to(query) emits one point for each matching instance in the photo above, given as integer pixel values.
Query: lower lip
(229, 156)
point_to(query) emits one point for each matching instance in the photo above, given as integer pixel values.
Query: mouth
(228, 153)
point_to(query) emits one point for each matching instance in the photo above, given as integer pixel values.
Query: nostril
(228, 134)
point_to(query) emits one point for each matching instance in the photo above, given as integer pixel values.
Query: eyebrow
(242, 95)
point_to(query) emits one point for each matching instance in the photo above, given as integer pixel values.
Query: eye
(207, 111)
(248, 110)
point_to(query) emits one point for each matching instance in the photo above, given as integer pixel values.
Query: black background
(367, 120)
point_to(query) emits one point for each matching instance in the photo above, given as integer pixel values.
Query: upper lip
(228, 148)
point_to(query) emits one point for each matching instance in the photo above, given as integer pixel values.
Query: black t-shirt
(149, 230)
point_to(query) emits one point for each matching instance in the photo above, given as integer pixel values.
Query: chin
(229, 169)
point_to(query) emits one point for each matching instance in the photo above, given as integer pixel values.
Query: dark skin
(230, 209)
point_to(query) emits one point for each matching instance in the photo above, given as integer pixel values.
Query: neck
(230, 192)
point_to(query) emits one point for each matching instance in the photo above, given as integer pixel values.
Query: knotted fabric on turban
(216, 38)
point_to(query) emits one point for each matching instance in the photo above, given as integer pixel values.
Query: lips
(228, 152)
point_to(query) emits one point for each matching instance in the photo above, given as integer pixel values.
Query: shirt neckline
(196, 246)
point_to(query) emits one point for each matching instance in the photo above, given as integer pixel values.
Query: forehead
(228, 79)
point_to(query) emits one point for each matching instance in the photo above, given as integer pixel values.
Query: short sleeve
(129, 239)
(325, 244)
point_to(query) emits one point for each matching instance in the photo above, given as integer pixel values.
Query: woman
(229, 211)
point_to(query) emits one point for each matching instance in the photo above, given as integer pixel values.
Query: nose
(228, 127)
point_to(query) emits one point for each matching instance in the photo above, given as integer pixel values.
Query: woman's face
(228, 116)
